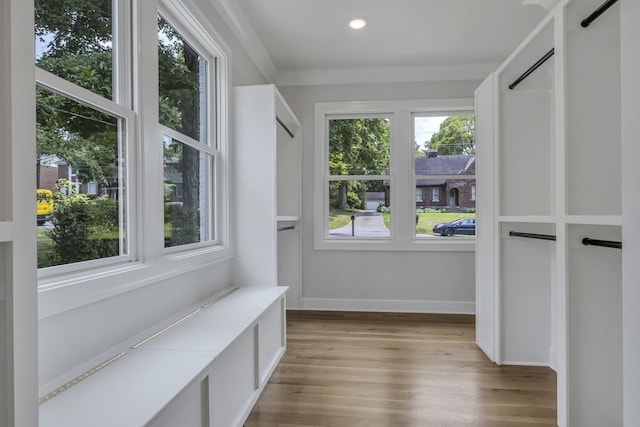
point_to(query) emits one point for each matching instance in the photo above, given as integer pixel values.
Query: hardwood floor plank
(396, 369)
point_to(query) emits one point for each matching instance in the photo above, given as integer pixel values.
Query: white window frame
(401, 176)
(149, 262)
(53, 83)
(198, 39)
(473, 192)
(419, 194)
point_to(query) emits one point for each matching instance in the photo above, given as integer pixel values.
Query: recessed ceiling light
(357, 23)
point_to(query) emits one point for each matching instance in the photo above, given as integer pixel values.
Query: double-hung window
(444, 164)
(388, 174)
(85, 127)
(131, 152)
(186, 75)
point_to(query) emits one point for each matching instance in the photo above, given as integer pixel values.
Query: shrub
(354, 201)
(185, 226)
(82, 228)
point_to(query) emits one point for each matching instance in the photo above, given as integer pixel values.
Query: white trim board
(394, 306)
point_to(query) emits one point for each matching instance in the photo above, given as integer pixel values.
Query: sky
(425, 127)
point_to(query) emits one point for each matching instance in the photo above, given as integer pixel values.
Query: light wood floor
(379, 370)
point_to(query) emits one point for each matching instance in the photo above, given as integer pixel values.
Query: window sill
(67, 292)
(444, 244)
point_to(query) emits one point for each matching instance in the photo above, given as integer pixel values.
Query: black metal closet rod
(603, 243)
(532, 235)
(531, 69)
(284, 126)
(596, 13)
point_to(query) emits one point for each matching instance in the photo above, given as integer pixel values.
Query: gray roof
(430, 182)
(456, 164)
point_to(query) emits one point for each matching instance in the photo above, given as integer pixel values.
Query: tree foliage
(357, 147)
(74, 40)
(456, 136)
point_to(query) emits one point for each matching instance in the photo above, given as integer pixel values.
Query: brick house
(51, 170)
(453, 194)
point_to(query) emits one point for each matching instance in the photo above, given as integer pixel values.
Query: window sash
(81, 95)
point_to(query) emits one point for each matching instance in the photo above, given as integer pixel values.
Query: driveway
(367, 224)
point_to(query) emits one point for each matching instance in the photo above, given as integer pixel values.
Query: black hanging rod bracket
(281, 123)
(532, 235)
(531, 69)
(596, 13)
(604, 243)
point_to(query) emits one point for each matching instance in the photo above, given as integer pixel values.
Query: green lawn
(426, 220)
(339, 218)
(44, 242)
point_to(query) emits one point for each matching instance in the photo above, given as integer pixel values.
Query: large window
(391, 175)
(444, 164)
(188, 146)
(84, 131)
(119, 187)
(358, 161)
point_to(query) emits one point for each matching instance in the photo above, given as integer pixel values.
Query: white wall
(377, 280)
(630, 34)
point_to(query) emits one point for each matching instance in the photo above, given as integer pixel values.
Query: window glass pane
(186, 214)
(182, 75)
(444, 145)
(78, 149)
(444, 135)
(450, 200)
(359, 209)
(359, 146)
(74, 40)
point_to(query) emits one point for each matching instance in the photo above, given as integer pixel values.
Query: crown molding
(246, 36)
(384, 75)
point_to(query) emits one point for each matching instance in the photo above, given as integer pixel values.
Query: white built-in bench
(208, 369)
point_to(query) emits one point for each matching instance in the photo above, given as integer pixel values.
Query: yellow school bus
(44, 205)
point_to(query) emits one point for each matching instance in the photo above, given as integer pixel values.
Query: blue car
(459, 226)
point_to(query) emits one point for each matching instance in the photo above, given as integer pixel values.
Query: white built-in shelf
(6, 231)
(101, 399)
(288, 218)
(240, 333)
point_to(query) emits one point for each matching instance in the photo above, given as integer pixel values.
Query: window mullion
(401, 153)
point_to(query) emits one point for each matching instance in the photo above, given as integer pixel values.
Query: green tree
(358, 147)
(179, 80)
(456, 136)
(75, 42)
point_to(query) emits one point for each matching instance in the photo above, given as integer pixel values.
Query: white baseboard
(393, 306)
(521, 363)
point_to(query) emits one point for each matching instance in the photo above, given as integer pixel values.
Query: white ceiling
(311, 37)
